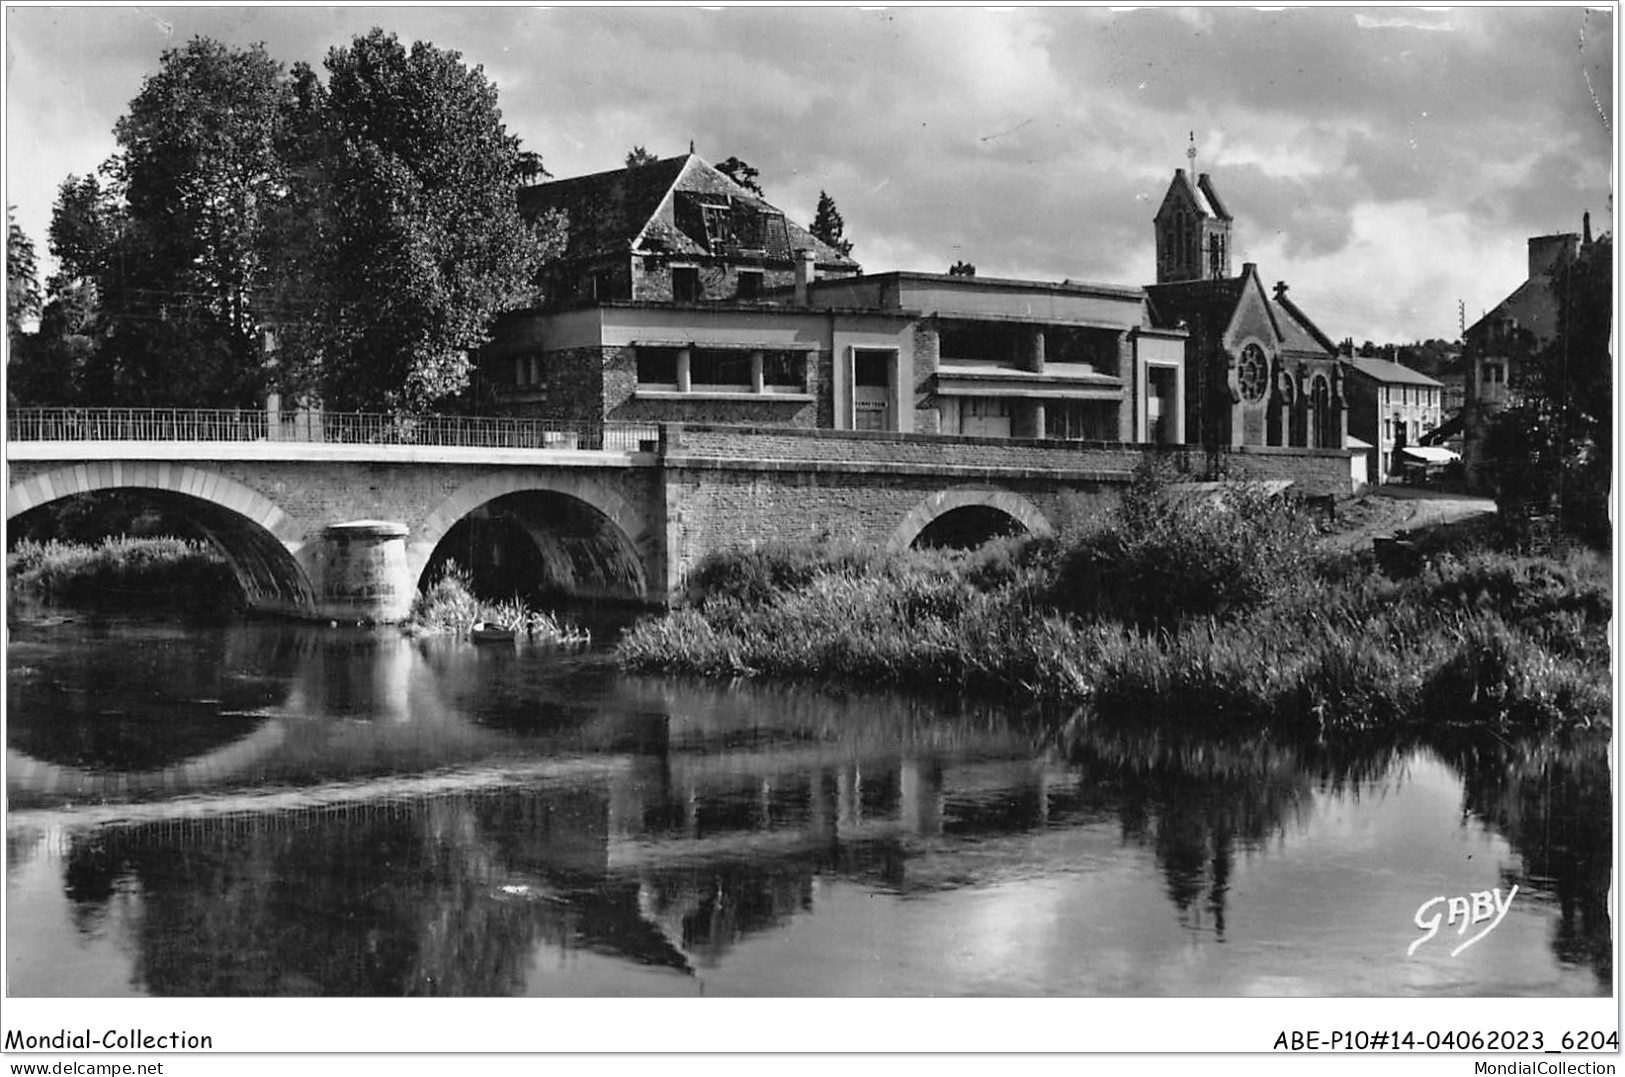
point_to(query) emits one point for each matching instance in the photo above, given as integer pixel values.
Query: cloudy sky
(1386, 162)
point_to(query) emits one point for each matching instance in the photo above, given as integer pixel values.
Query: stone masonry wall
(710, 509)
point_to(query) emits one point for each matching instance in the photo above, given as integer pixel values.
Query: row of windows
(686, 286)
(727, 370)
(1408, 394)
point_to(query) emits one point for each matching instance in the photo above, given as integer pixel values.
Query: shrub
(1172, 553)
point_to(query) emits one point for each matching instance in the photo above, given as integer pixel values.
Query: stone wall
(735, 507)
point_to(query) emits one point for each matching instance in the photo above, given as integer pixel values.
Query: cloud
(1031, 141)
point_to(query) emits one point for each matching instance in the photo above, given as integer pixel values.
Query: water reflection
(392, 817)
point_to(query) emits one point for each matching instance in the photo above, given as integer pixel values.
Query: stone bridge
(343, 517)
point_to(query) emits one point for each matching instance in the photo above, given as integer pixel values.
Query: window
(720, 371)
(685, 284)
(750, 284)
(657, 368)
(872, 369)
(1075, 420)
(784, 372)
(872, 388)
(718, 225)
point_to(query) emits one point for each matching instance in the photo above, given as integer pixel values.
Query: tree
(1553, 449)
(638, 157)
(962, 268)
(428, 245)
(529, 170)
(742, 174)
(23, 297)
(829, 226)
(198, 169)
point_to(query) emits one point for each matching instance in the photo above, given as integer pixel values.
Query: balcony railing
(321, 428)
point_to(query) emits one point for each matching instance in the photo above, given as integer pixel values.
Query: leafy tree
(1553, 449)
(742, 174)
(427, 242)
(198, 171)
(828, 224)
(529, 170)
(638, 157)
(23, 297)
(962, 268)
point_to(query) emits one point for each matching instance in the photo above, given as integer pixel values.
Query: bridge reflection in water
(434, 818)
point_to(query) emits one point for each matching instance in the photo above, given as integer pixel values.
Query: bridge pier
(360, 572)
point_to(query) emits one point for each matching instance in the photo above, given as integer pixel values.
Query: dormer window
(718, 224)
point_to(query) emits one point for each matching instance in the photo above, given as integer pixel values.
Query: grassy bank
(450, 606)
(1214, 611)
(121, 570)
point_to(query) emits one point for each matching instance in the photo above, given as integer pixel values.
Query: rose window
(1253, 373)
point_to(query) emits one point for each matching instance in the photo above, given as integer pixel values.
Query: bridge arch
(939, 505)
(258, 539)
(628, 524)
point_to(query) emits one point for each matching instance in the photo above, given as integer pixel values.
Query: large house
(1257, 370)
(1392, 408)
(1498, 347)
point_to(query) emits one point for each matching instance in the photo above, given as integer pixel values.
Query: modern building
(1392, 407)
(1025, 359)
(1258, 371)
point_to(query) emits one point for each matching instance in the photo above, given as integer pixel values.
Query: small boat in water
(490, 632)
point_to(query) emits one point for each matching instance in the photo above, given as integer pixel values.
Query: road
(1401, 508)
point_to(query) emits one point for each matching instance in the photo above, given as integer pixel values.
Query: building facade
(1499, 346)
(683, 298)
(1392, 408)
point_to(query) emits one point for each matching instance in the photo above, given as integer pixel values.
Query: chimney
(806, 273)
(1585, 235)
(1546, 253)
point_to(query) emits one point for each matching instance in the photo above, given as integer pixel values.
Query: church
(1258, 371)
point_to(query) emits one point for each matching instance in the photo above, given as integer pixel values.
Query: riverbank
(120, 571)
(1206, 612)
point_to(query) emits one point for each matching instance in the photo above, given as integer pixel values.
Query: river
(246, 808)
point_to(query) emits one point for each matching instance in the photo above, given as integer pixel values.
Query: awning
(1431, 454)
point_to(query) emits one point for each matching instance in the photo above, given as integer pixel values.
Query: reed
(450, 607)
(121, 570)
(1323, 644)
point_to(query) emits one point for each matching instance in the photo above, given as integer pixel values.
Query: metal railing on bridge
(321, 427)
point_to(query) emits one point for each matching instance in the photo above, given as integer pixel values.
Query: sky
(1388, 163)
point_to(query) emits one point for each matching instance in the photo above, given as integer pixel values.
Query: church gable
(1251, 318)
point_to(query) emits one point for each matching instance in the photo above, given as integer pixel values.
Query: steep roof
(1200, 194)
(1298, 332)
(643, 208)
(1390, 373)
(1531, 305)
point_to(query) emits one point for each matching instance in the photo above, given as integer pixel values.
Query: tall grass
(1201, 611)
(121, 570)
(450, 606)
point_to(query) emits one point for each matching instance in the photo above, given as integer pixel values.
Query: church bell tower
(1192, 228)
